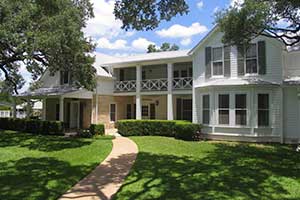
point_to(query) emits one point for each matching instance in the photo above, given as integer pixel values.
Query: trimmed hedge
(97, 129)
(179, 129)
(33, 126)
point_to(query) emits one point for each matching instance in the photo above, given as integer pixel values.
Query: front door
(74, 114)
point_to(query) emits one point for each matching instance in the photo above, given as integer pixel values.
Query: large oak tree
(43, 34)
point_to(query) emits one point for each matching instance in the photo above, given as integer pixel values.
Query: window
(263, 109)
(112, 112)
(205, 109)
(145, 111)
(224, 109)
(64, 77)
(129, 111)
(217, 61)
(251, 59)
(241, 109)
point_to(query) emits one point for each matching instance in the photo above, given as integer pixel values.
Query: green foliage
(45, 34)
(243, 22)
(158, 128)
(187, 131)
(33, 126)
(164, 47)
(45, 167)
(146, 15)
(97, 129)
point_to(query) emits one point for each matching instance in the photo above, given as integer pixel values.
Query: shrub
(187, 131)
(32, 126)
(97, 129)
(85, 133)
(184, 130)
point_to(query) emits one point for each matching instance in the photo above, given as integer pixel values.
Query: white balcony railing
(182, 83)
(154, 84)
(125, 86)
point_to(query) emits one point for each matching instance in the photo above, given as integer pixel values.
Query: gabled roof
(100, 60)
(212, 31)
(150, 57)
(54, 91)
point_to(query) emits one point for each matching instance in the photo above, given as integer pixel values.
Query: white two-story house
(237, 93)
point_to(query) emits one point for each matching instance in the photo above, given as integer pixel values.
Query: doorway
(74, 114)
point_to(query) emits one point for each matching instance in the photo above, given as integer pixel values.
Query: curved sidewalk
(107, 178)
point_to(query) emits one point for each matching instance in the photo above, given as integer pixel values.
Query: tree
(146, 15)
(45, 34)
(164, 47)
(272, 18)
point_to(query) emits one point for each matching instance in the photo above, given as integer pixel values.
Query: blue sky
(185, 31)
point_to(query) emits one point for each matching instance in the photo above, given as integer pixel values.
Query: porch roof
(295, 80)
(53, 91)
(235, 81)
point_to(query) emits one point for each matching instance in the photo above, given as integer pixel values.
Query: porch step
(113, 132)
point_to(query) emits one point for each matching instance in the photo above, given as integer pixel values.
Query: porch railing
(154, 84)
(182, 83)
(125, 86)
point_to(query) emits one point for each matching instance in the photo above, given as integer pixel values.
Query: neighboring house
(238, 94)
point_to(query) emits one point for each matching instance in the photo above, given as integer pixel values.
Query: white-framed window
(251, 59)
(241, 109)
(145, 111)
(113, 112)
(263, 109)
(206, 109)
(223, 109)
(217, 61)
(65, 77)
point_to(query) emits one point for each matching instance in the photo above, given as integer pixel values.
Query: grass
(44, 167)
(172, 169)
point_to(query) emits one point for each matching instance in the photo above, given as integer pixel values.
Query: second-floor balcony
(154, 78)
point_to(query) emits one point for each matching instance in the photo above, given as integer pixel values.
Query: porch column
(170, 95)
(138, 101)
(14, 108)
(27, 108)
(44, 109)
(61, 109)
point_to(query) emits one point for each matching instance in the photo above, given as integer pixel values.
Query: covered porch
(66, 104)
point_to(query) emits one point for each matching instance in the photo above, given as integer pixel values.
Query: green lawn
(172, 169)
(44, 167)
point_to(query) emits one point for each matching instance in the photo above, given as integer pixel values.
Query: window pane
(184, 73)
(241, 117)
(113, 117)
(176, 74)
(263, 101)
(217, 54)
(251, 51)
(217, 68)
(145, 111)
(240, 101)
(224, 101)
(112, 107)
(263, 118)
(205, 116)
(251, 66)
(205, 103)
(66, 77)
(223, 116)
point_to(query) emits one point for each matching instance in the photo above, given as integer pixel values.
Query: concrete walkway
(107, 178)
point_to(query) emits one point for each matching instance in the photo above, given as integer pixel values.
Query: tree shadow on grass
(45, 143)
(229, 172)
(38, 178)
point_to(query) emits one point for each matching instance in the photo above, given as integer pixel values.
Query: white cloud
(216, 9)
(186, 41)
(104, 43)
(200, 4)
(179, 31)
(236, 2)
(104, 23)
(141, 44)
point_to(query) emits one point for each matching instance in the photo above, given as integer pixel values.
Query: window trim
(63, 77)
(116, 118)
(212, 62)
(209, 109)
(269, 109)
